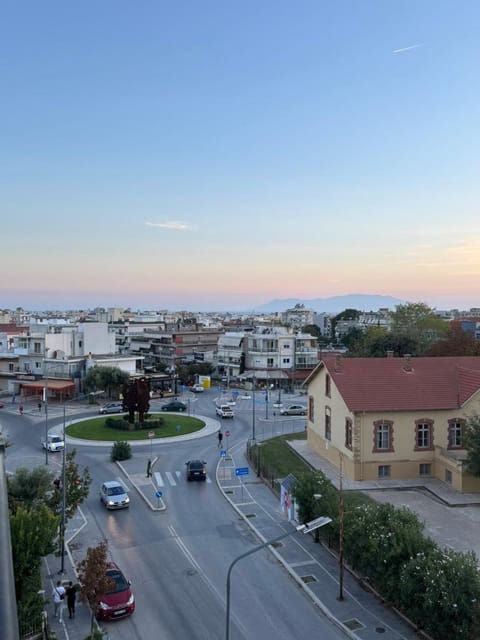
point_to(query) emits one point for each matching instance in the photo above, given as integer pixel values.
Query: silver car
(294, 410)
(111, 407)
(114, 495)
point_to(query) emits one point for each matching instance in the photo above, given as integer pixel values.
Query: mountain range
(334, 304)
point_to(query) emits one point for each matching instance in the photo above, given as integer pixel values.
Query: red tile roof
(402, 384)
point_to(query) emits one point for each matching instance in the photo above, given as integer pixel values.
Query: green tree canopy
(419, 322)
(33, 531)
(108, 379)
(471, 442)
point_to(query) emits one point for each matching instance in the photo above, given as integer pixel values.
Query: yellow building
(398, 418)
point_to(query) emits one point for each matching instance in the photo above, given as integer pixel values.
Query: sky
(216, 154)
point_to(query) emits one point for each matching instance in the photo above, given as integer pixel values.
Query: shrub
(117, 423)
(121, 450)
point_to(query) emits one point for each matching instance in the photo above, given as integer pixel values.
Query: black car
(175, 405)
(196, 470)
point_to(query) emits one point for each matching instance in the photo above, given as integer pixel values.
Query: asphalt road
(178, 559)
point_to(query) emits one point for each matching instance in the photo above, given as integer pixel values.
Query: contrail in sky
(414, 46)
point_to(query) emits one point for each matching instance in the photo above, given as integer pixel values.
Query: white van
(224, 411)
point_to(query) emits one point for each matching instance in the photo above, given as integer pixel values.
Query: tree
(315, 496)
(471, 442)
(108, 379)
(29, 489)
(77, 486)
(313, 330)
(93, 579)
(33, 530)
(417, 320)
(440, 590)
(455, 343)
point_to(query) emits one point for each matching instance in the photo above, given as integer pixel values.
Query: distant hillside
(335, 304)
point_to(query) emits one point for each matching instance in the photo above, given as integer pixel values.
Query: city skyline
(216, 157)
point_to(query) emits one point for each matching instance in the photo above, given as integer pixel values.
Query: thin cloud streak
(175, 225)
(413, 46)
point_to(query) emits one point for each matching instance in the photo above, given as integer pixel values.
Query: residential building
(399, 418)
(279, 354)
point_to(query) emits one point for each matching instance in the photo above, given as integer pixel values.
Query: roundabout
(175, 428)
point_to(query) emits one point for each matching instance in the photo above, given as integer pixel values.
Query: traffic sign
(241, 471)
(151, 434)
(223, 453)
(158, 494)
(227, 434)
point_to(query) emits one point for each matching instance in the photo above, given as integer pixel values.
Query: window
(348, 433)
(286, 360)
(37, 347)
(448, 476)
(383, 436)
(423, 434)
(328, 423)
(327, 385)
(425, 470)
(311, 408)
(455, 433)
(384, 471)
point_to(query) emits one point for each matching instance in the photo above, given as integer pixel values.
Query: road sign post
(151, 435)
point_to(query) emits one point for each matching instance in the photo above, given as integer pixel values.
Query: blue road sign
(178, 427)
(158, 494)
(223, 453)
(235, 394)
(241, 471)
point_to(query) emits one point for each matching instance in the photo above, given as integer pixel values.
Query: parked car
(224, 411)
(197, 388)
(294, 410)
(1, 405)
(119, 601)
(175, 405)
(114, 495)
(111, 407)
(54, 443)
(196, 470)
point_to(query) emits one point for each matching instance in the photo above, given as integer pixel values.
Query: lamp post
(253, 408)
(64, 500)
(45, 399)
(305, 528)
(340, 531)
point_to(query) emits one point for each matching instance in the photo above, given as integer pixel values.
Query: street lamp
(304, 528)
(253, 407)
(64, 499)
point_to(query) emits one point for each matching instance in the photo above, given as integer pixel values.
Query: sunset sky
(216, 155)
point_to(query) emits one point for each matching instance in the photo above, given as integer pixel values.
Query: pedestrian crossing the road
(171, 478)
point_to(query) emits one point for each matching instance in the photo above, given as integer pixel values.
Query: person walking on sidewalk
(58, 595)
(220, 438)
(71, 597)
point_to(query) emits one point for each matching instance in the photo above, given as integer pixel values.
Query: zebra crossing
(171, 478)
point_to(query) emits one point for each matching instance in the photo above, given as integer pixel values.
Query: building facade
(399, 418)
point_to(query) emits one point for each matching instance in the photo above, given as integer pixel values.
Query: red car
(119, 602)
(1, 405)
